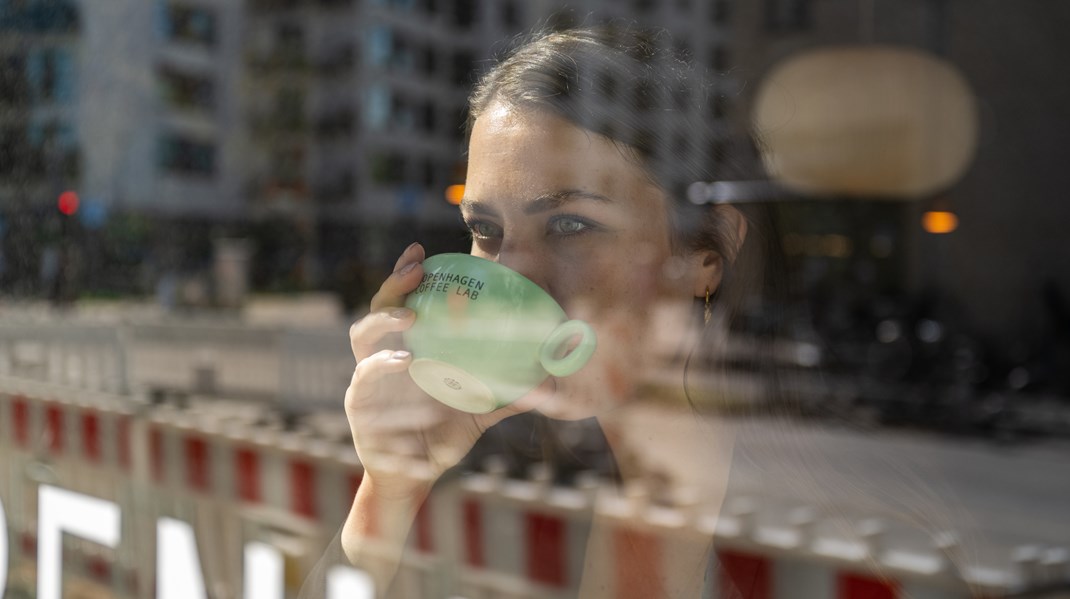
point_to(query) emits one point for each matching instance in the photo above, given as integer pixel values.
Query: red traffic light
(68, 203)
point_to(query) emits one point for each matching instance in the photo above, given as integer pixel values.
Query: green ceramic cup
(485, 335)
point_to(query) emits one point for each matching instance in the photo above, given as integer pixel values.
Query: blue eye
(568, 225)
(483, 230)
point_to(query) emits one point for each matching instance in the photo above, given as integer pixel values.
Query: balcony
(34, 164)
(339, 61)
(278, 190)
(278, 125)
(335, 4)
(280, 60)
(41, 18)
(335, 125)
(273, 5)
(335, 190)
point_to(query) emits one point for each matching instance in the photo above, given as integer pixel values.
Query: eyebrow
(543, 203)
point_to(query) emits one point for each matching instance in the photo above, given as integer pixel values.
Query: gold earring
(706, 312)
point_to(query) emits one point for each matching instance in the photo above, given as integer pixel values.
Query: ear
(708, 266)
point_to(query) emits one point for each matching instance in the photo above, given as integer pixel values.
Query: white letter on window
(178, 567)
(263, 572)
(61, 511)
(347, 583)
(3, 549)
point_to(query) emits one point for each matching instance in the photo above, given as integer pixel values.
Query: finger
(367, 332)
(369, 373)
(406, 277)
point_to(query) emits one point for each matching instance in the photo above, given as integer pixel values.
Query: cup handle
(576, 358)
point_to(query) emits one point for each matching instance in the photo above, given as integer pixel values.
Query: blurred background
(198, 196)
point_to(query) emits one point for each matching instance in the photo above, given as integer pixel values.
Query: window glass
(742, 299)
(377, 107)
(186, 90)
(182, 155)
(190, 24)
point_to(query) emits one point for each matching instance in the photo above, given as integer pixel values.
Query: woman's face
(566, 208)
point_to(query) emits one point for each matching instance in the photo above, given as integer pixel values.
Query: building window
(287, 168)
(55, 16)
(179, 154)
(269, 5)
(718, 106)
(47, 83)
(644, 6)
(787, 15)
(681, 97)
(428, 120)
(402, 112)
(681, 145)
(720, 11)
(461, 70)
(335, 123)
(606, 84)
(13, 153)
(377, 108)
(402, 55)
(186, 90)
(719, 151)
(464, 13)
(429, 174)
(380, 44)
(338, 60)
(43, 147)
(335, 3)
(13, 88)
(645, 96)
(50, 74)
(719, 59)
(428, 61)
(510, 15)
(290, 108)
(387, 168)
(189, 24)
(290, 41)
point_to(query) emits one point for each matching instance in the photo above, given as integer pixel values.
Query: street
(995, 497)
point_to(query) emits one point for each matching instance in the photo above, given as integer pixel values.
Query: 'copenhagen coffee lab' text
(462, 285)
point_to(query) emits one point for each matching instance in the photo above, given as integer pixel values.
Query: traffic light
(67, 203)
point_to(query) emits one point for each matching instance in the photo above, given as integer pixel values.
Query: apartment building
(39, 150)
(343, 118)
(136, 101)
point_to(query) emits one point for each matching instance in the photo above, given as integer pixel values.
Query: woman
(571, 183)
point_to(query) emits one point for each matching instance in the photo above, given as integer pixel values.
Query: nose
(524, 259)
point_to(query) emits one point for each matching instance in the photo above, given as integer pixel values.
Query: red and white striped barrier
(514, 538)
(521, 537)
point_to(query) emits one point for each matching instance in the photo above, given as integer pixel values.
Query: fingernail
(411, 245)
(399, 355)
(407, 268)
(400, 313)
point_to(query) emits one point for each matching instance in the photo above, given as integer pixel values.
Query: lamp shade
(866, 121)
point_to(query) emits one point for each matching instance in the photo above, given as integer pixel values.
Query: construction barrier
(237, 478)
